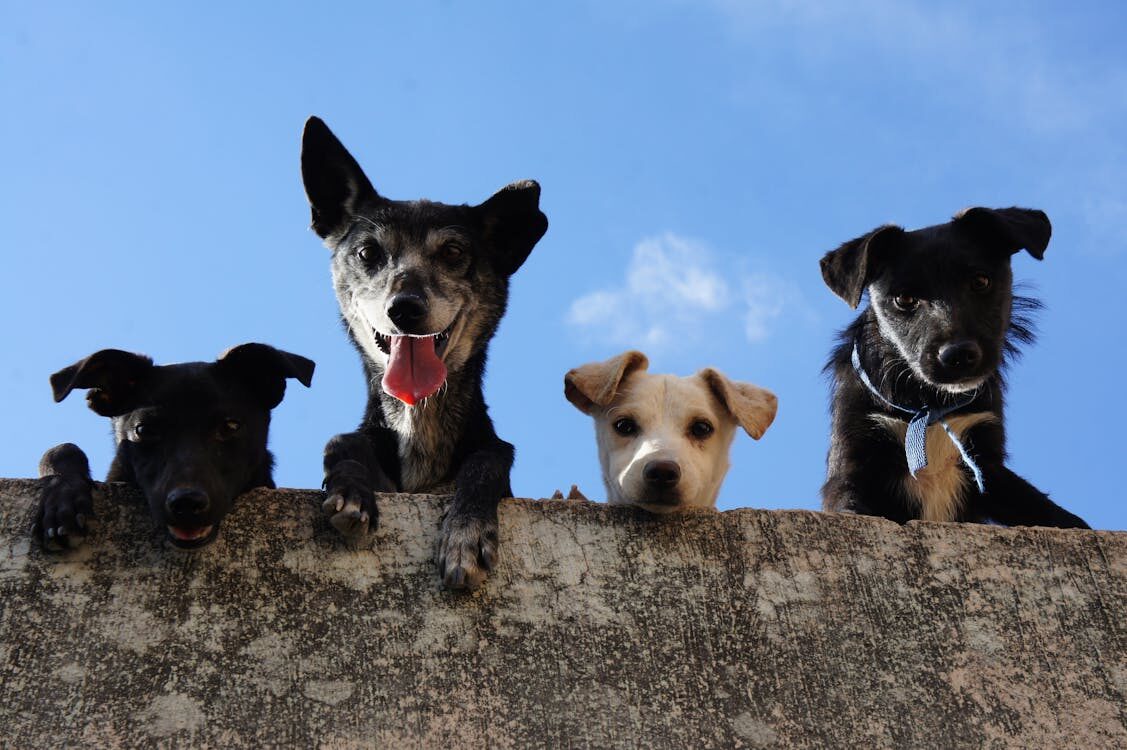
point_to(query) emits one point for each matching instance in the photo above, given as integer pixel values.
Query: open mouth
(415, 368)
(191, 537)
(441, 340)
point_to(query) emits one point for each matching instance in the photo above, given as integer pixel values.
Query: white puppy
(663, 440)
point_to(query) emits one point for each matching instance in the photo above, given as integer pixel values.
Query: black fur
(449, 266)
(191, 437)
(932, 333)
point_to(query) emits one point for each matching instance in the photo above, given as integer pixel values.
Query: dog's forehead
(415, 221)
(669, 395)
(928, 256)
(191, 388)
(952, 243)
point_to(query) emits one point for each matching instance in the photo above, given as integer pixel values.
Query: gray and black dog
(422, 287)
(918, 376)
(190, 436)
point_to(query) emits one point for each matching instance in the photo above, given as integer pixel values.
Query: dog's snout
(187, 501)
(407, 310)
(662, 473)
(960, 356)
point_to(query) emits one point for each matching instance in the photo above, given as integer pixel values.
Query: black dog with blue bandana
(918, 376)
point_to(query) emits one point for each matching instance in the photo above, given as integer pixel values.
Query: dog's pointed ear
(753, 408)
(595, 385)
(513, 223)
(848, 269)
(1009, 229)
(265, 369)
(334, 182)
(112, 376)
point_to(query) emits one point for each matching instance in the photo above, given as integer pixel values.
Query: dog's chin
(659, 504)
(958, 387)
(659, 509)
(191, 537)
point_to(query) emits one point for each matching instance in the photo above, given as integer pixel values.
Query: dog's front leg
(353, 475)
(66, 499)
(1011, 500)
(467, 548)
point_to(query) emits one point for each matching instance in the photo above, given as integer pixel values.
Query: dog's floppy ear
(265, 369)
(595, 385)
(513, 223)
(1011, 229)
(113, 377)
(753, 407)
(334, 182)
(848, 269)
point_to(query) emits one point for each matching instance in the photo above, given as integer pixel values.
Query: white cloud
(673, 294)
(765, 297)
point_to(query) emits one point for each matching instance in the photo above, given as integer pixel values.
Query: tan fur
(595, 384)
(938, 487)
(753, 407)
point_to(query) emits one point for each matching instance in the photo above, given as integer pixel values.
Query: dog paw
(352, 511)
(467, 551)
(66, 508)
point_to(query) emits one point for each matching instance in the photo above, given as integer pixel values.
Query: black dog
(422, 287)
(191, 436)
(918, 386)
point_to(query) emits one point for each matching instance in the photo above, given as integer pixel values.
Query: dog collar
(915, 439)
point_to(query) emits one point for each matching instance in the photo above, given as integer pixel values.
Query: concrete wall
(601, 627)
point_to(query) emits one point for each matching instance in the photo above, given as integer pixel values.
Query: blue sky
(696, 160)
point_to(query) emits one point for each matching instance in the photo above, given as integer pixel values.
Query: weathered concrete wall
(601, 627)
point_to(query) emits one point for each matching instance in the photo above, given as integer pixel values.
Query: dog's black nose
(186, 501)
(407, 310)
(960, 356)
(662, 473)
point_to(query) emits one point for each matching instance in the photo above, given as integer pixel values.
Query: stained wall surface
(601, 627)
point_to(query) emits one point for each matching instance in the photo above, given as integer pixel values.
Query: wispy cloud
(674, 294)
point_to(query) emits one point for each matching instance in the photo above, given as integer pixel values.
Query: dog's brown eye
(143, 431)
(368, 252)
(229, 428)
(452, 252)
(905, 302)
(701, 429)
(626, 427)
(980, 283)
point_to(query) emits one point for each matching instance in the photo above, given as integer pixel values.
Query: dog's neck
(427, 433)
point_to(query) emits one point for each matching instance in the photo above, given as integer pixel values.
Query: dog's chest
(424, 452)
(938, 488)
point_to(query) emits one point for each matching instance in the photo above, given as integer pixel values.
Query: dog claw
(351, 520)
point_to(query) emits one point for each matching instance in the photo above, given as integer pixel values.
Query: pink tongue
(414, 371)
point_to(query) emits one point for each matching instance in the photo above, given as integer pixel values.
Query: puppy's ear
(848, 269)
(753, 407)
(264, 370)
(334, 182)
(1009, 229)
(596, 384)
(114, 378)
(513, 224)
